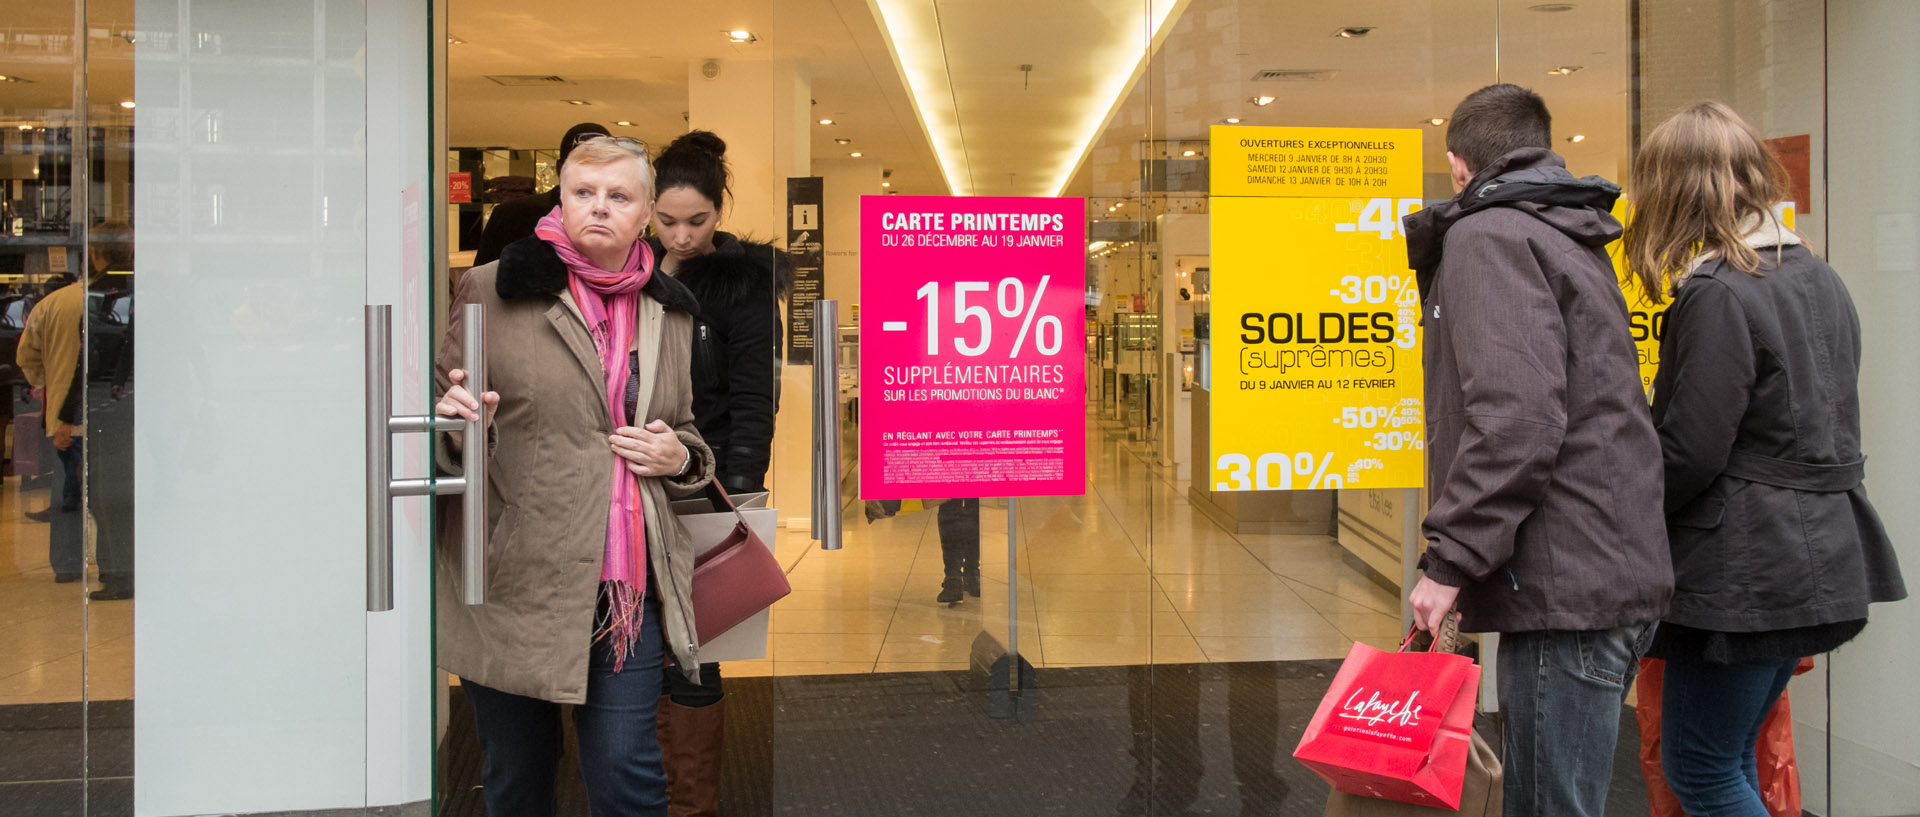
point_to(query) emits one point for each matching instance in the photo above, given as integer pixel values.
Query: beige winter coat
(549, 486)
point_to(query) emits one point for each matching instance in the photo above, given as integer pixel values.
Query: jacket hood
(530, 268)
(737, 271)
(1532, 180)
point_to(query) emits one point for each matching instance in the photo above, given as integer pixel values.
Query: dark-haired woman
(1776, 550)
(735, 336)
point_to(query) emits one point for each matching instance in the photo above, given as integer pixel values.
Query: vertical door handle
(382, 487)
(473, 461)
(379, 458)
(826, 423)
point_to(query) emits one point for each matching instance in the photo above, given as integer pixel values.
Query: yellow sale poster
(1316, 319)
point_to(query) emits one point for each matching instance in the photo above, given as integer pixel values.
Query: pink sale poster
(972, 347)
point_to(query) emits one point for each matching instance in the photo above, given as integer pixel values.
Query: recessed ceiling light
(624, 123)
(576, 102)
(1233, 120)
(886, 184)
(1563, 70)
(843, 141)
(1437, 121)
(826, 121)
(1551, 8)
(1262, 101)
(856, 154)
(1353, 32)
(741, 35)
(126, 103)
(1577, 138)
(1188, 152)
(452, 40)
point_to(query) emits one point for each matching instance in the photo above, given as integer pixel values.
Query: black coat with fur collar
(529, 267)
(736, 337)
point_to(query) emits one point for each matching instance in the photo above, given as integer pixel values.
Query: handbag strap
(723, 503)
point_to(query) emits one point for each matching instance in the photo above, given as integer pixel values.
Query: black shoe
(65, 578)
(949, 592)
(113, 591)
(973, 584)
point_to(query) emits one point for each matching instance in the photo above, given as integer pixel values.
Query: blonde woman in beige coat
(591, 426)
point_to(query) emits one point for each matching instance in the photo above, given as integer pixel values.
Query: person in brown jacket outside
(1544, 468)
(590, 424)
(50, 357)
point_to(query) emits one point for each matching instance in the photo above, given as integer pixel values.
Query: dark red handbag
(736, 579)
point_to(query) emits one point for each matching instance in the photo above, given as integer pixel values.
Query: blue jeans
(619, 754)
(1711, 716)
(1561, 691)
(67, 531)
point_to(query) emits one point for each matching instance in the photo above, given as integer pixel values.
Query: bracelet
(685, 463)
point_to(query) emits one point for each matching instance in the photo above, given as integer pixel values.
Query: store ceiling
(1018, 131)
(1416, 63)
(38, 47)
(631, 61)
(1001, 130)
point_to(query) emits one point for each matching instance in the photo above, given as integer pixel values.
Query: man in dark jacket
(516, 219)
(1544, 468)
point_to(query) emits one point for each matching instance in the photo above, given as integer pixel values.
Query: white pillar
(761, 108)
(845, 181)
(1874, 194)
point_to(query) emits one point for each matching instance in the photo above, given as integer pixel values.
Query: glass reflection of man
(51, 356)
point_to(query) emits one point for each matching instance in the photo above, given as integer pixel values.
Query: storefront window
(1149, 643)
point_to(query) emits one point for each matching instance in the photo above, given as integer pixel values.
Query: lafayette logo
(1374, 711)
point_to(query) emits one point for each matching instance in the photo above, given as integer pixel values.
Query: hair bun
(700, 141)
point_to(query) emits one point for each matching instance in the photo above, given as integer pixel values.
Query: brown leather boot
(690, 742)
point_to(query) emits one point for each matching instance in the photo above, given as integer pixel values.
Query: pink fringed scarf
(610, 303)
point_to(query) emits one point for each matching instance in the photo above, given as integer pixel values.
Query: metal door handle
(826, 423)
(382, 487)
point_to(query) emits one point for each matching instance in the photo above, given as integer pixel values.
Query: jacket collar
(1531, 179)
(529, 268)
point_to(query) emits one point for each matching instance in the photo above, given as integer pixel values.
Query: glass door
(238, 161)
(185, 589)
(1150, 642)
(45, 576)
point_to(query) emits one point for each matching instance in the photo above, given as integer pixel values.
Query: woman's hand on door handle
(458, 402)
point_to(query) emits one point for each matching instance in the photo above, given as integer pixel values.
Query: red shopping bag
(1395, 726)
(1779, 769)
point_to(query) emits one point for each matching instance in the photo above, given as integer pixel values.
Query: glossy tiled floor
(55, 645)
(1128, 573)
